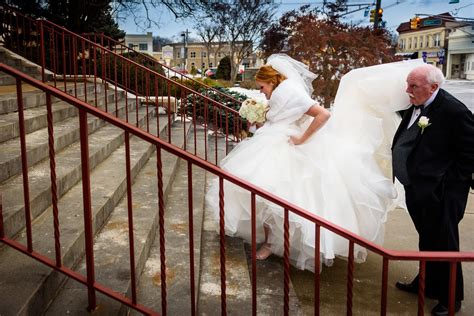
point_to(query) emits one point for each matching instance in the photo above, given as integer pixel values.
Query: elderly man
(433, 157)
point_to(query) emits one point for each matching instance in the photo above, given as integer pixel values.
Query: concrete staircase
(28, 287)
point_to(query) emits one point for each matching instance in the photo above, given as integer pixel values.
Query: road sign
(431, 22)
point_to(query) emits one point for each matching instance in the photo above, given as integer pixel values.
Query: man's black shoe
(412, 288)
(442, 310)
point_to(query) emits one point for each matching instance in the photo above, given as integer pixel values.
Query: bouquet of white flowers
(253, 111)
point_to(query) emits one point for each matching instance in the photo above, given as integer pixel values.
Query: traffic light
(380, 14)
(415, 23)
(372, 15)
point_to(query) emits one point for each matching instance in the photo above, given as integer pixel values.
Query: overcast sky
(395, 12)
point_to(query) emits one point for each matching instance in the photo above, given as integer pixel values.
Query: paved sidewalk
(401, 235)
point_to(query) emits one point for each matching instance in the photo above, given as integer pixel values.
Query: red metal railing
(76, 63)
(195, 162)
(121, 48)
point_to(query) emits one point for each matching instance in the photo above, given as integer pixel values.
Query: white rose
(423, 123)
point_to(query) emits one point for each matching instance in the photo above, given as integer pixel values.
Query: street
(463, 90)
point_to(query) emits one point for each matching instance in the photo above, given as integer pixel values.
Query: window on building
(192, 64)
(400, 44)
(143, 46)
(437, 40)
(415, 42)
(193, 54)
(210, 65)
(421, 41)
(203, 54)
(427, 41)
(130, 45)
(203, 65)
(178, 55)
(409, 43)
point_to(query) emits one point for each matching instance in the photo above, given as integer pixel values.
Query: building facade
(192, 57)
(460, 56)
(140, 42)
(199, 57)
(428, 41)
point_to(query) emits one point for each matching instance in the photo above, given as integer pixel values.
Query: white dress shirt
(417, 110)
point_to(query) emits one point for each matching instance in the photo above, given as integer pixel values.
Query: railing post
(286, 264)
(161, 224)
(86, 196)
(222, 246)
(421, 288)
(130, 218)
(350, 277)
(54, 191)
(452, 287)
(254, 255)
(64, 61)
(383, 309)
(43, 57)
(317, 264)
(24, 164)
(191, 237)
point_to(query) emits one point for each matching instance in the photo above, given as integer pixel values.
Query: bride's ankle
(264, 251)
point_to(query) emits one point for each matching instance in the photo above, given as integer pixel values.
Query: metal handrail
(54, 25)
(319, 222)
(109, 55)
(153, 60)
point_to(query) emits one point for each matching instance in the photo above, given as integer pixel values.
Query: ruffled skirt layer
(332, 176)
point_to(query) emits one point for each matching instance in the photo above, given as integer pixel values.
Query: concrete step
(66, 132)
(238, 286)
(6, 80)
(36, 117)
(24, 65)
(178, 275)
(68, 169)
(108, 185)
(270, 273)
(111, 245)
(33, 97)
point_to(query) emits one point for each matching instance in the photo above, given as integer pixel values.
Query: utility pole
(185, 48)
(377, 14)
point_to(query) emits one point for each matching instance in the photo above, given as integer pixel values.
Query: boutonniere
(423, 123)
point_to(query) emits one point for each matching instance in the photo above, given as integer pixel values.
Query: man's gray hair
(432, 73)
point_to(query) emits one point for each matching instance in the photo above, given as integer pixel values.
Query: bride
(333, 165)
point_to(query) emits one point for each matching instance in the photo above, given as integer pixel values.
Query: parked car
(211, 73)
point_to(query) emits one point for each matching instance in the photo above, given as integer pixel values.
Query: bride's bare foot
(264, 252)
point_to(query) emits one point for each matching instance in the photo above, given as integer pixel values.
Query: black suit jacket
(443, 155)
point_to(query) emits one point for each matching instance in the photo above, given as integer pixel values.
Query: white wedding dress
(342, 173)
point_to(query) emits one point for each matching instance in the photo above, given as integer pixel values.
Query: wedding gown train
(342, 173)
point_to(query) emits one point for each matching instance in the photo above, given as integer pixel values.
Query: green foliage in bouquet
(206, 112)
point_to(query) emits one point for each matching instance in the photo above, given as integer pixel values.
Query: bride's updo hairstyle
(266, 73)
